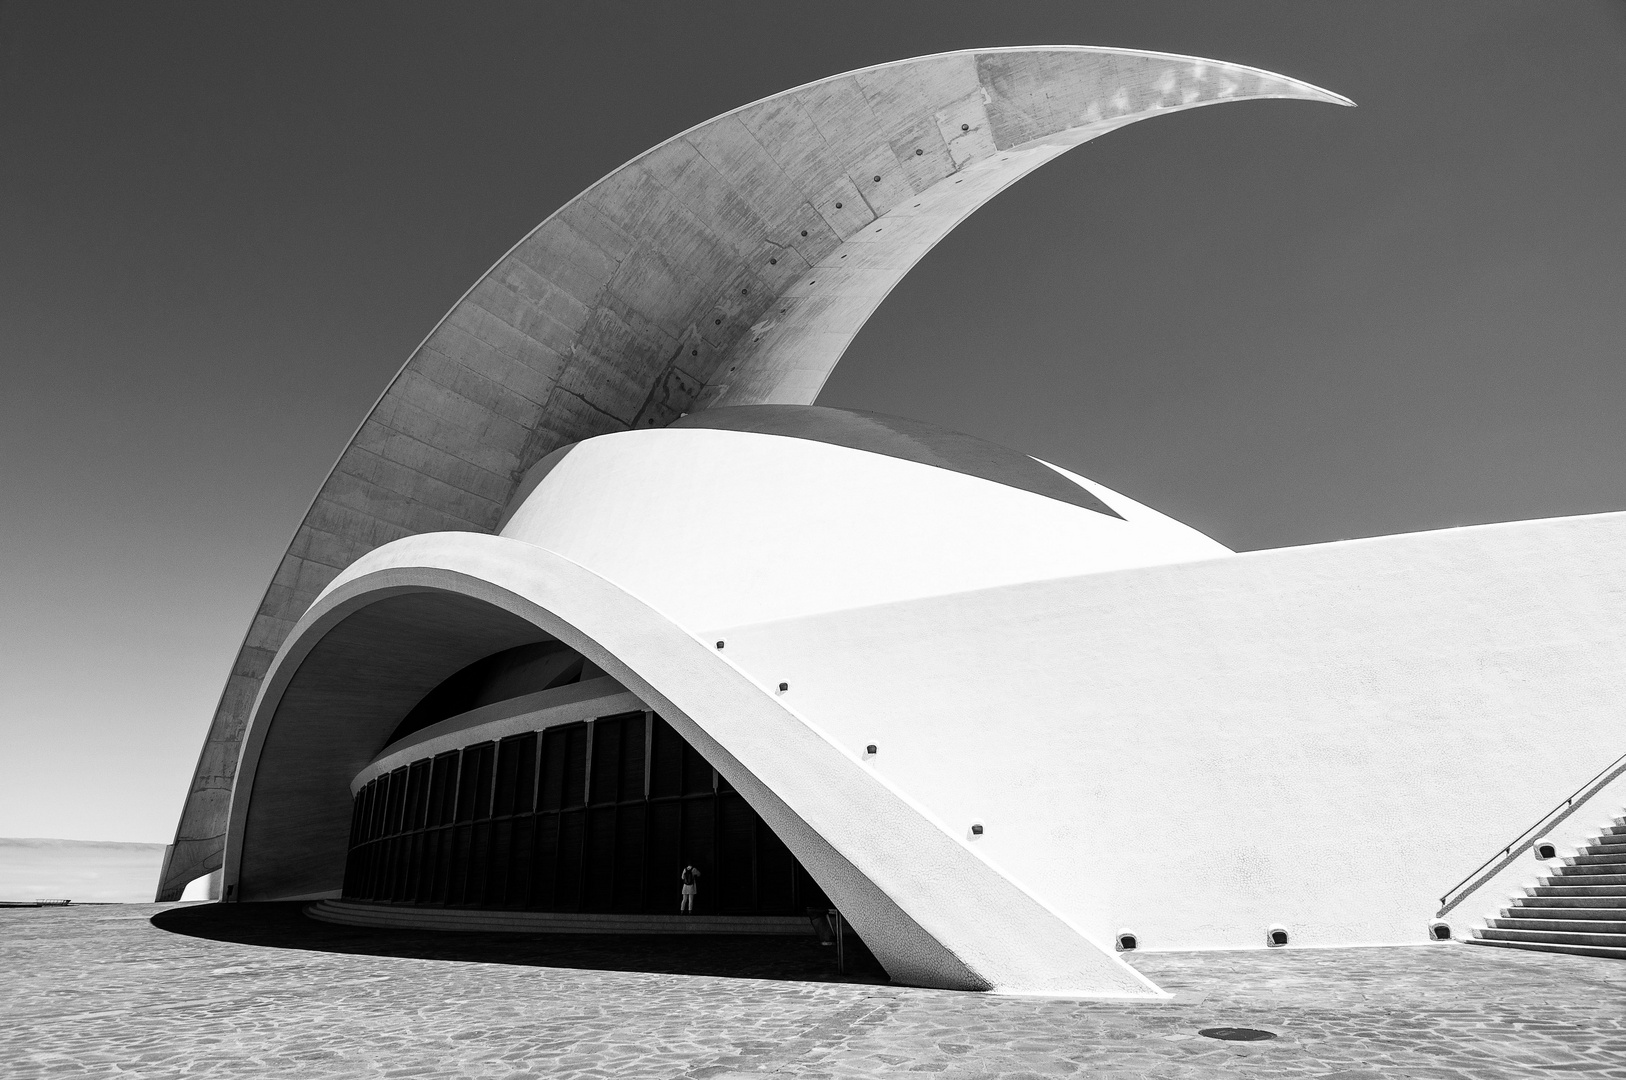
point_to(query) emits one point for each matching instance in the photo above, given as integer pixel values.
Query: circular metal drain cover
(1233, 1034)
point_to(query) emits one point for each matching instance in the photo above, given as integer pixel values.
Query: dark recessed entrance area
(283, 925)
(595, 817)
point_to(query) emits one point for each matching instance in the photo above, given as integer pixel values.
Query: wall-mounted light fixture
(719, 644)
(1439, 931)
(870, 749)
(1276, 937)
(783, 687)
(976, 828)
(1127, 942)
(1545, 851)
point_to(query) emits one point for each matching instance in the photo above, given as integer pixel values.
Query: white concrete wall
(716, 528)
(1326, 738)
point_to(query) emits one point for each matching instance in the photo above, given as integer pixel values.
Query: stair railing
(1527, 839)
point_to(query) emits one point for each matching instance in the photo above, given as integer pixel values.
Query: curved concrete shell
(730, 265)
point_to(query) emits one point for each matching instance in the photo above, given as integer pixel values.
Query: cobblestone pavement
(101, 991)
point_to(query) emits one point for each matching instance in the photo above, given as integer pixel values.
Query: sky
(223, 227)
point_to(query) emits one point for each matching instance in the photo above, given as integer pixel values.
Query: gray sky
(224, 226)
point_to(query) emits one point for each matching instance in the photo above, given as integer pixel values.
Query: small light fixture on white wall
(976, 829)
(1276, 937)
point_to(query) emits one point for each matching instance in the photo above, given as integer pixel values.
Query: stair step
(1543, 898)
(1586, 920)
(1551, 936)
(1553, 947)
(1614, 858)
(1590, 871)
(1578, 891)
(1609, 836)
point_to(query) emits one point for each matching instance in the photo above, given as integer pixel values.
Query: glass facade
(599, 816)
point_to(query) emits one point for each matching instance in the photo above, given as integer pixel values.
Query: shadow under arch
(283, 925)
(340, 692)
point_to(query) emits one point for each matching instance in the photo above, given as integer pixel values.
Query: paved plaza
(102, 991)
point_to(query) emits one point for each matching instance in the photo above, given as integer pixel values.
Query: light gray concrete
(730, 265)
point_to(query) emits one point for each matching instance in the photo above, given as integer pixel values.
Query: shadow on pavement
(283, 925)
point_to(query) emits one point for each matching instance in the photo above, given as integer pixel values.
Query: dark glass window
(443, 789)
(417, 802)
(697, 775)
(666, 773)
(632, 757)
(378, 797)
(398, 791)
(579, 817)
(606, 761)
(575, 765)
(486, 755)
(467, 770)
(516, 774)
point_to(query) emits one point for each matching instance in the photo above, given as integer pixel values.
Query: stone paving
(101, 991)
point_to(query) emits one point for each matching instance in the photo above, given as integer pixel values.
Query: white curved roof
(718, 528)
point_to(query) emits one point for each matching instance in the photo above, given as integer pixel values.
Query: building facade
(597, 598)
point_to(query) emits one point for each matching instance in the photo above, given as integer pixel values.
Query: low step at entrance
(1580, 909)
(399, 917)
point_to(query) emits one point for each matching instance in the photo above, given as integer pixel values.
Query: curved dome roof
(730, 265)
(895, 436)
(755, 514)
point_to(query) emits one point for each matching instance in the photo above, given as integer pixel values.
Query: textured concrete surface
(102, 992)
(730, 265)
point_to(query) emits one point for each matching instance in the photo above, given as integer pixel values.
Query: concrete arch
(931, 909)
(732, 264)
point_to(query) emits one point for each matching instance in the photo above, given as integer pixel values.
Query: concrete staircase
(1580, 909)
(407, 917)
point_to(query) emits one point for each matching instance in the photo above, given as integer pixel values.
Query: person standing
(691, 887)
